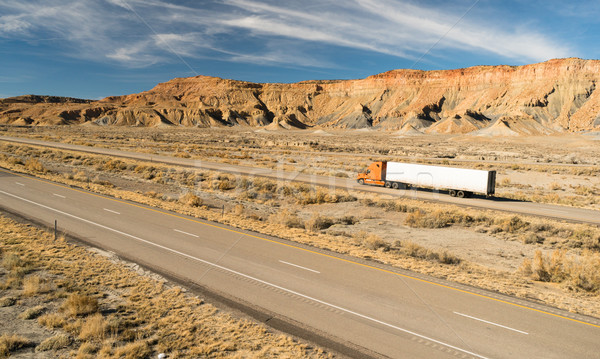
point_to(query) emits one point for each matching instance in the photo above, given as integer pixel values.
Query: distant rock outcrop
(553, 96)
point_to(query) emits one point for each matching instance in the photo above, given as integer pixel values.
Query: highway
(382, 311)
(571, 214)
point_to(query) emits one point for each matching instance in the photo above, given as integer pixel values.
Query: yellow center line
(302, 249)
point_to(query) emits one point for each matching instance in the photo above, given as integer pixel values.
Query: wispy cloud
(397, 28)
(474, 35)
(87, 27)
(143, 33)
(10, 24)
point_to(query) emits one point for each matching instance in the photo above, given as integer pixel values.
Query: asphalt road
(384, 310)
(571, 214)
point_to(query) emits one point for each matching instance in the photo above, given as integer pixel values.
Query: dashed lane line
(301, 267)
(485, 296)
(290, 291)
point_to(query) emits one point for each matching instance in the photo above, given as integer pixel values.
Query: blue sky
(93, 49)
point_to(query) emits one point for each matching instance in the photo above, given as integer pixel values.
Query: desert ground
(553, 169)
(545, 260)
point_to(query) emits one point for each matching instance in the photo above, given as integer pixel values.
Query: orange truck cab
(374, 174)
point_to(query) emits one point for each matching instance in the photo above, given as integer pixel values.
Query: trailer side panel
(442, 177)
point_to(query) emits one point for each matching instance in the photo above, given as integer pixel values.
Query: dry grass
(318, 222)
(137, 350)
(52, 321)
(34, 285)
(576, 274)
(78, 304)
(404, 248)
(413, 249)
(13, 262)
(10, 343)
(35, 165)
(532, 238)
(438, 218)
(190, 199)
(56, 342)
(7, 301)
(554, 186)
(323, 196)
(17, 267)
(93, 328)
(370, 241)
(32, 313)
(86, 350)
(373, 242)
(512, 224)
(287, 218)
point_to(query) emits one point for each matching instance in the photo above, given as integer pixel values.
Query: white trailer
(459, 182)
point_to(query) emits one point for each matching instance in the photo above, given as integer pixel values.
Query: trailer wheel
(361, 181)
(387, 184)
(395, 185)
(460, 194)
(452, 193)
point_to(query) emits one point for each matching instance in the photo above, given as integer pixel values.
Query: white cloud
(470, 35)
(135, 54)
(88, 27)
(181, 44)
(338, 25)
(12, 24)
(396, 28)
(146, 32)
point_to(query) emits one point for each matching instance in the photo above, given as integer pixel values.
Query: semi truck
(459, 182)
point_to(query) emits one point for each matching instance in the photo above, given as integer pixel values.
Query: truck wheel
(361, 181)
(452, 193)
(387, 184)
(460, 194)
(395, 185)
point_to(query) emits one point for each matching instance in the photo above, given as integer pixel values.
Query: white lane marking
(59, 195)
(249, 277)
(111, 211)
(295, 265)
(20, 184)
(189, 234)
(492, 323)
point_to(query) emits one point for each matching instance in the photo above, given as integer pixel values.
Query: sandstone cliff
(554, 96)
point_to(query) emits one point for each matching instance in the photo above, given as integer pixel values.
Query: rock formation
(553, 96)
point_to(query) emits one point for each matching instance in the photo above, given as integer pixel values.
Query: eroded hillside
(553, 96)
